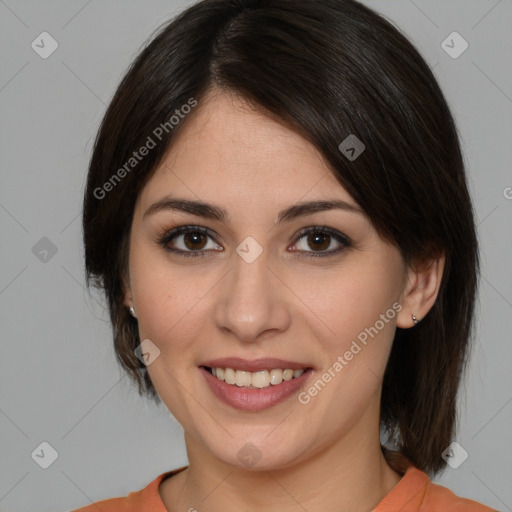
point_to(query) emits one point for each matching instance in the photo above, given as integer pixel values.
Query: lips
(251, 398)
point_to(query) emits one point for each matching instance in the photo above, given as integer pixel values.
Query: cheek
(170, 310)
(168, 298)
(352, 300)
(358, 308)
(171, 304)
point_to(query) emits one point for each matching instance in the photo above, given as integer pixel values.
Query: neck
(348, 475)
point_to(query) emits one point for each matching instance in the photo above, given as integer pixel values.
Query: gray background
(59, 379)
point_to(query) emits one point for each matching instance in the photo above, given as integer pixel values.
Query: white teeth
(288, 374)
(276, 377)
(230, 376)
(260, 379)
(243, 378)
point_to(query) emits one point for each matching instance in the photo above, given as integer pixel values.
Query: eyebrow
(210, 211)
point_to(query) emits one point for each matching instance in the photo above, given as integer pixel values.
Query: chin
(254, 452)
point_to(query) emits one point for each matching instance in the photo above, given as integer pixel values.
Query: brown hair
(326, 69)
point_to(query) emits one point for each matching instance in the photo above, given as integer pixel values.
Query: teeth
(276, 377)
(243, 378)
(230, 376)
(260, 379)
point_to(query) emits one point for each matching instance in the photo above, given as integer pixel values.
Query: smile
(255, 380)
(254, 385)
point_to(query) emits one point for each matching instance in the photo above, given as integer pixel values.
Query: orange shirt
(414, 493)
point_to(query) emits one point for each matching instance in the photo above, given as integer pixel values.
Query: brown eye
(319, 241)
(190, 241)
(316, 241)
(194, 240)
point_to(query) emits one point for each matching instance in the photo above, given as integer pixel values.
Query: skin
(324, 455)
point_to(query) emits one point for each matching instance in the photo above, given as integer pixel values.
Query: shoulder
(415, 492)
(145, 500)
(439, 498)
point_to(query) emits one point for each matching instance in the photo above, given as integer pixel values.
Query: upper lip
(254, 365)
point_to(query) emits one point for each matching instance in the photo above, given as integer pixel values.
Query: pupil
(317, 239)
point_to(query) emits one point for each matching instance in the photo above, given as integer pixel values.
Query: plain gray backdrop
(60, 383)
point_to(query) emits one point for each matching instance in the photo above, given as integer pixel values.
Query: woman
(277, 210)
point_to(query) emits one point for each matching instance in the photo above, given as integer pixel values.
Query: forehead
(228, 153)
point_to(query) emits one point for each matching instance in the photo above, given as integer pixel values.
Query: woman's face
(256, 291)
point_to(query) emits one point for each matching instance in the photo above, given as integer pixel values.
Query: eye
(192, 241)
(189, 241)
(320, 239)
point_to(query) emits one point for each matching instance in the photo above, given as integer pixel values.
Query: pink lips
(250, 399)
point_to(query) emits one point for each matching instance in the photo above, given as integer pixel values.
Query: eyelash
(170, 235)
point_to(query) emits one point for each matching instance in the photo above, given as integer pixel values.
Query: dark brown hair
(326, 69)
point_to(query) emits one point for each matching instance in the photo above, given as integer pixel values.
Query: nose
(252, 302)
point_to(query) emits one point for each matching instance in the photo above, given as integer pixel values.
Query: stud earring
(132, 311)
(414, 319)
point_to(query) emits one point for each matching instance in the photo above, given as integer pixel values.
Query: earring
(414, 319)
(132, 311)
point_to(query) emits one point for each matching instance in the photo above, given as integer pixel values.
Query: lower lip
(250, 399)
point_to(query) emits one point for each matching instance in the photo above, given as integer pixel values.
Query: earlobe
(420, 292)
(127, 295)
(128, 302)
(127, 298)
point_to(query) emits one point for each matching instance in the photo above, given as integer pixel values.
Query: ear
(420, 292)
(127, 296)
